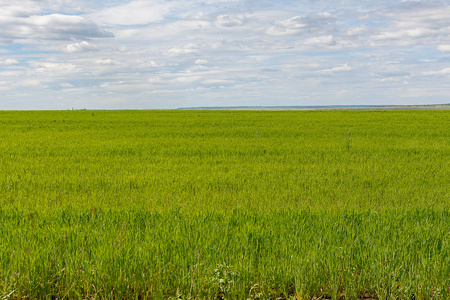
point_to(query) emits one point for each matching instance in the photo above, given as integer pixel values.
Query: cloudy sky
(145, 54)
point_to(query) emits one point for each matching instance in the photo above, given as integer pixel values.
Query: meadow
(225, 204)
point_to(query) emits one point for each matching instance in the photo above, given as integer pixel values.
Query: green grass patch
(227, 205)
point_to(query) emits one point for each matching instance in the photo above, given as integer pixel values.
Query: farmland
(225, 204)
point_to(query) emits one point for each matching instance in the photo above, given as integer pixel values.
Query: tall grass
(224, 204)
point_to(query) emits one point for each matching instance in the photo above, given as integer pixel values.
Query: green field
(225, 204)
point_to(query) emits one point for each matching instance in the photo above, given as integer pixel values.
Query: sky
(153, 54)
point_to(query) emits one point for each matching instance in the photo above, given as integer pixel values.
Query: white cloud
(66, 85)
(135, 12)
(139, 12)
(51, 27)
(445, 71)
(173, 31)
(302, 24)
(146, 63)
(51, 67)
(217, 81)
(199, 68)
(356, 31)
(186, 49)
(196, 16)
(32, 83)
(18, 10)
(390, 79)
(339, 68)
(9, 62)
(201, 62)
(178, 51)
(188, 78)
(344, 67)
(80, 47)
(325, 40)
(231, 21)
(107, 62)
(444, 48)
(413, 23)
(156, 79)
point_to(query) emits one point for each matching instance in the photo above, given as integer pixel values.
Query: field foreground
(225, 204)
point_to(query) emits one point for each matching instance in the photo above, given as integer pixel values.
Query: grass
(220, 204)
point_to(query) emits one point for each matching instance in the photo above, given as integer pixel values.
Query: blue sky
(152, 54)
